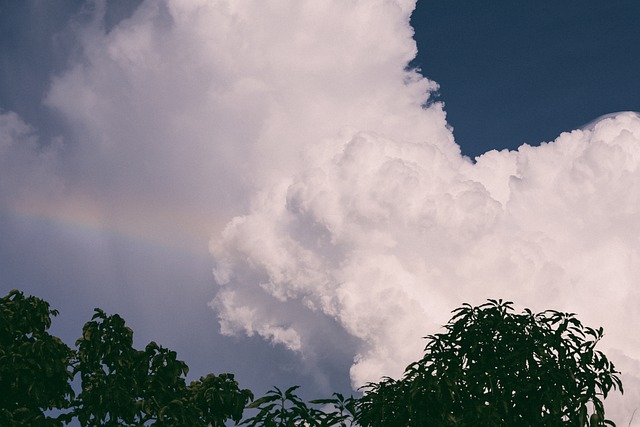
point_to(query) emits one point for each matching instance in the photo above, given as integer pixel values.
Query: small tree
(34, 365)
(119, 385)
(286, 409)
(122, 386)
(111, 373)
(493, 367)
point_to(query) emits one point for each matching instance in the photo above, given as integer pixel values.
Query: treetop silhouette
(489, 367)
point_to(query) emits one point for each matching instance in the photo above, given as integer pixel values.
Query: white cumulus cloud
(387, 236)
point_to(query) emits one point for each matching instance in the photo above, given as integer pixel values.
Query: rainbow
(173, 228)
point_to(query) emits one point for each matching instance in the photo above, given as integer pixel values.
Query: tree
(490, 367)
(286, 409)
(493, 367)
(110, 373)
(218, 398)
(34, 365)
(119, 385)
(122, 386)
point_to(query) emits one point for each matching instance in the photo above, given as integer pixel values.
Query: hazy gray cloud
(29, 169)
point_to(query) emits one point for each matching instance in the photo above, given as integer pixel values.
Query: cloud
(173, 117)
(342, 212)
(29, 168)
(386, 236)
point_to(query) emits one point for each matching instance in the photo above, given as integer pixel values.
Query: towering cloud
(386, 236)
(339, 207)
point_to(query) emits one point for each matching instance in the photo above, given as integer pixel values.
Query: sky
(298, 191)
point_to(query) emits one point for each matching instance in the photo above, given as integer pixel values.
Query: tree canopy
(489, 367)
(494, 367)
(35, 368)
(119, 385)
(125, 386)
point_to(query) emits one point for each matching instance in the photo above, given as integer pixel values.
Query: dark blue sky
(524, 71)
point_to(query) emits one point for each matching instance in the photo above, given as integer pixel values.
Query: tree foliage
(493, 367)
(122, 386)
(490, 367)
(286, 409)
(118, 384)
(34, 365)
